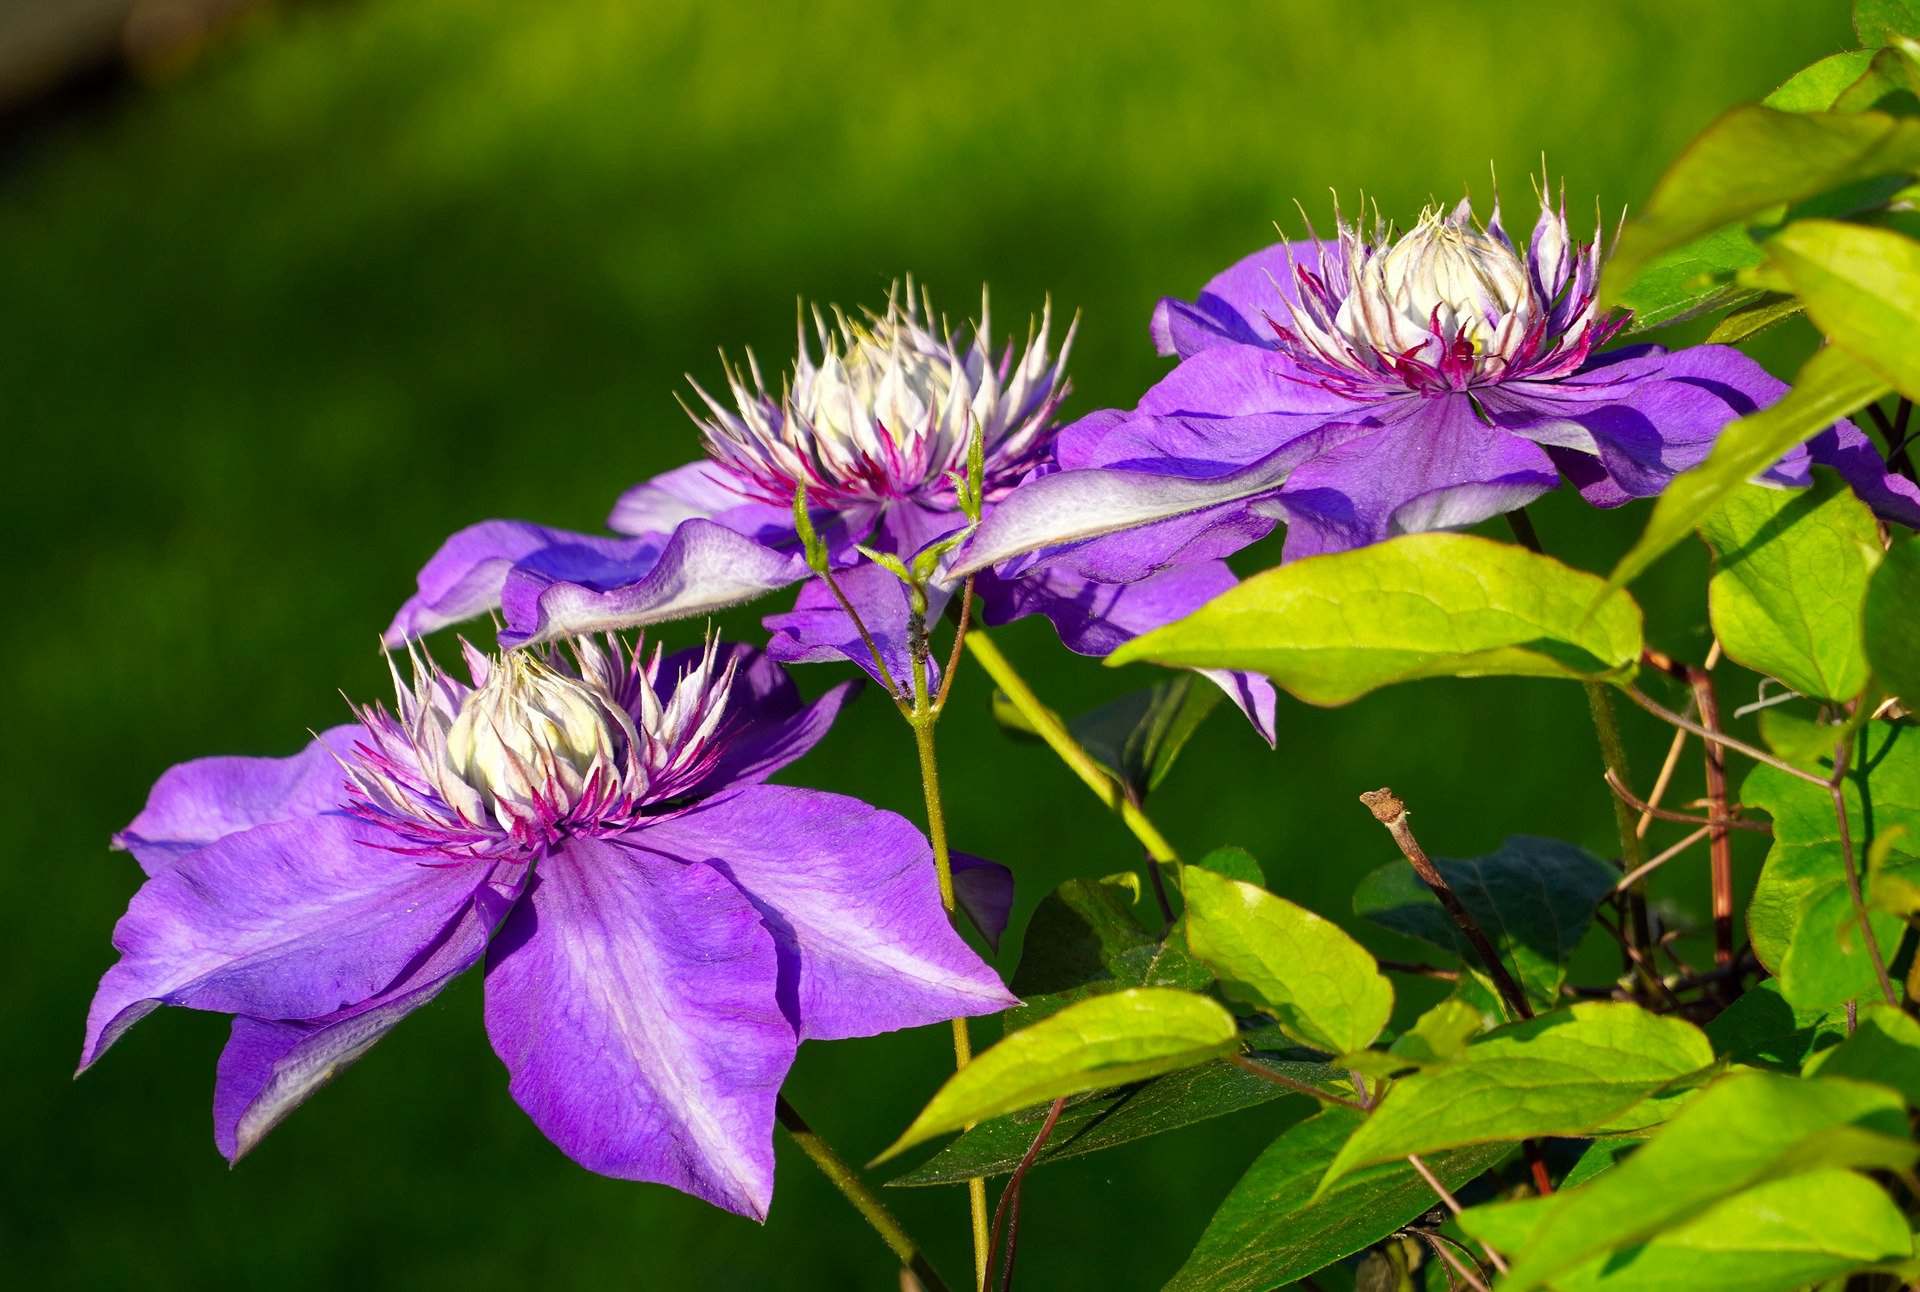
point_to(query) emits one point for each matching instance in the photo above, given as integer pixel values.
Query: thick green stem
(1054, 732)
(922, 719)
(855, 1191)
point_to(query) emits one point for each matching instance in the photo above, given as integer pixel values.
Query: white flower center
(528, 741)
(1443, 277)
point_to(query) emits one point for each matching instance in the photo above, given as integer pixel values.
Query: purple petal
(698, 491)
(295, 919)
(850, 894)
(1199, 447)
(1234, 380)
(1237, 303)
(770, 725)
(818, 631)
(269, 1068)
(906, 526)
(1095, 618)
(984, 890)
(1437, 468)
(465, 577)
(1068, 506)
(632, 999)
(1846, 448)
(195, 803)
(704, 567)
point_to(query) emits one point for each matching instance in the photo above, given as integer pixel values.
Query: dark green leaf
(1790, 577)
(1753, 159)
(1332, 628)
(1601, 1155)
(1893, 620)
(1830, 386)
(1138, 736)
(1884, 1048)
(1534, 898)
(1571, 1072)
(1110, 1118)
(1764, 1029)
(1880, 22)
(1085, 940)
(1746, 1129)
(1272, 1229)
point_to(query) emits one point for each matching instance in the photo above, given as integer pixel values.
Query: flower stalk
(855, 1191)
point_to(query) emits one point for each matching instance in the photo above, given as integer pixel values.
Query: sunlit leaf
(1830, 386)
(1751, 320)
(1692, 280)
(1861, 286)
(1790, 578)
(1893, 620)
(1774, 1237)
(1272, 1230)
(1331, 628)
(1105, 1041)
(1746, 1129)
(1764, 1029)
(1749, 161)
(1814, 88)
(1321, 986)
(1440, 1034)
(1801, 917)
(1109, 1118)
(1565, 1073)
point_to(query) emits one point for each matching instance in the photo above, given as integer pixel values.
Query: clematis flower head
(887, 411)
(876, 419)
(1446, 306)
(660, 928)
(1378, 384)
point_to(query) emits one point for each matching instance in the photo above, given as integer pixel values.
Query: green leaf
(1271, 1229)
(1534, 899)
(1751, 320)
(1138, 736)
(1322, 987)
(1886, 84)
(1331, 628)
(1830, 386)
(1879, 22)
(1775, 1237)
(1085, 940)
(1106, 1041)
(1764, 1029)
(1861, 286)
(1801, 897)
(1893, 620)
(1235, 863)
(1692, 280)
(1440, 1034)
(1110, 1118)
(1790, 577)
(1753, 159)
(1744, 1130)
(1601, 1155)
(1565, 1073)
(1885, 1048)
(1814, 88)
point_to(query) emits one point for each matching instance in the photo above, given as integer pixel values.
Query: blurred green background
(371, 271)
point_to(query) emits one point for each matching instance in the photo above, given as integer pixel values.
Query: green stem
(922, 719)
(1054, 732)
(1613, 752)
(855, 1191)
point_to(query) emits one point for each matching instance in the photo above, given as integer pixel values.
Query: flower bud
(530, 740)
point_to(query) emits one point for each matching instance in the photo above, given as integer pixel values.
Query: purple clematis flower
(877, 429)
(1376, 385)
(660, 929)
